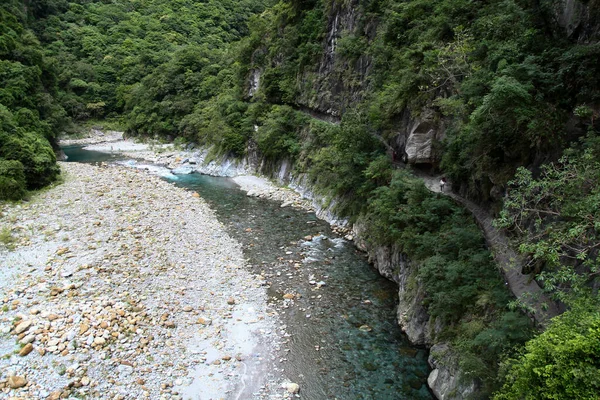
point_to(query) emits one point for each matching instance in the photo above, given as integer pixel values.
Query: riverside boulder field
(118, 285)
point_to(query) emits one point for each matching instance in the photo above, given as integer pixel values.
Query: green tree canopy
(561, 363)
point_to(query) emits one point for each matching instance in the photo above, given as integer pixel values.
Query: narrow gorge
(352, 110)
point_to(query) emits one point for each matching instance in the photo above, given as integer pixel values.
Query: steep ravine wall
(338, 82)
(445, 378)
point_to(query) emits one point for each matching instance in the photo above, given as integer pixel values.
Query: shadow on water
(77, 153)
(342, 339)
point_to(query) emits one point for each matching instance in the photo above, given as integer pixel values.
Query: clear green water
(76, 153)
(327, 353)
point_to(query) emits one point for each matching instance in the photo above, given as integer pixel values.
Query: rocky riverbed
(188, 160)
(118, 285)
(182, 162)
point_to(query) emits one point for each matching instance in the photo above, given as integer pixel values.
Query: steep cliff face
(343, 95)
(445, 379)
(340, 79)
(325, 88)
(320, 79)
(579, 20)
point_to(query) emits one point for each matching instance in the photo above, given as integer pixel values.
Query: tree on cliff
(555, 217)
(561, 363)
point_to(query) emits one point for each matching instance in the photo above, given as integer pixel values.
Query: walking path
(524, 287)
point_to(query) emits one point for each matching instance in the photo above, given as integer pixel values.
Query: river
(341, 339)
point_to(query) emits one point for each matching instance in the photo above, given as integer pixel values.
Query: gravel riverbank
(188, 161)
(118, 285)
(181, 162)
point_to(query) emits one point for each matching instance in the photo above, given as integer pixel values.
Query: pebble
(293, 388)
(28, 348)
(23, 326)
(99, 341)
(15, 382)
(27, 339)
(170, 324)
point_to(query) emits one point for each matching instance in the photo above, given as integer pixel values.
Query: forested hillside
(501, 96)
(68, 62)
(150, 60)
(30, 115)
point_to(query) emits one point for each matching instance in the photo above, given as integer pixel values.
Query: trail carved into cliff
(524, 287)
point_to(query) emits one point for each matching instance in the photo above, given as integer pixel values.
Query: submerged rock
(292, 387)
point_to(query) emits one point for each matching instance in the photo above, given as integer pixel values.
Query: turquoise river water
(332, 355)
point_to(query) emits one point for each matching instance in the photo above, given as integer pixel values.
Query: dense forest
(510, 90)
(31, 116)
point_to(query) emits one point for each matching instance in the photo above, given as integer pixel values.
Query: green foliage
(278, 136)
(455, 266)
(338, 159)
(351, 47)
(12, 180)
(29, 114)
(7, 239)
(155, 62)
(555, 219)
(505, 85)
(561, 363)
(32, 150)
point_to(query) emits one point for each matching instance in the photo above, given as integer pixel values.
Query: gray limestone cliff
(580, 20)
(445, 379)
(339, 81)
